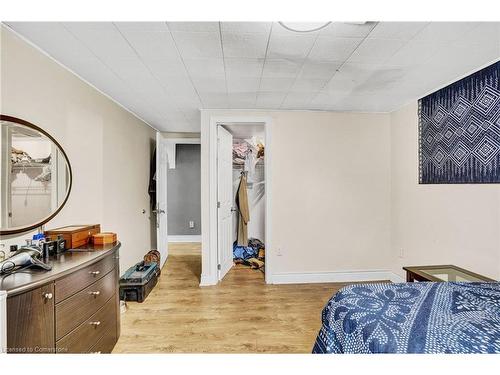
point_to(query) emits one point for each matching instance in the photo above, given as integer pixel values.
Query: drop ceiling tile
(444, 32)
(348, 30)
(278, 84)
(333, 49)
(312, 69)
(179, 86)
(213, 68)
(309, 84)
(193, 26)
(152, 45)
(278, 29)
(103, 39)
(209, 84)
(196, 45)
(376, 50)
(290, 46)
(269, 100)
(414, 53)
(281, 68)
(240, 67)
(167, 69)
(214, 100)
(193, 114)
(243, 85)
(246, 27)
(298, 100)
(247, 45)
(397, 30)
(142, 26)
(242, 100)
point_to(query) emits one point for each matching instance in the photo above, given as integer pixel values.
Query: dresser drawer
(69, 285)
(106, 343)
(71, 312)
(87, 334)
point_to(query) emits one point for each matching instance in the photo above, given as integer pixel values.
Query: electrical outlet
(191, 224)
(401, 253)
(278, 252)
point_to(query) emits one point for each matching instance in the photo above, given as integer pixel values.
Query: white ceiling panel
(279, 68)
(210, 84)
(275, 84)
(348, 29)
(309, 84)
(333, 49)
(312, 69)
(270, 100)
(196, 45)
(166, 71)
(240, 67)
(246, 27)
(444, 32)
(376, 50)
(242, 100)
(290, 46)
(194, 26)
(397, 30)
(243, 84)
(247, 45)
(151, 45)
(213, 68)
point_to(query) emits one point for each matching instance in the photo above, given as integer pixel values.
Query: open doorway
(241, 198)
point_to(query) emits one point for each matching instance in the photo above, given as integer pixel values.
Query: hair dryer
(28, 256)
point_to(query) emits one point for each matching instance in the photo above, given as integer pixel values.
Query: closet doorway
(241, 198)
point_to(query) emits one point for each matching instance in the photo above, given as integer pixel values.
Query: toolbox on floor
(138, 281)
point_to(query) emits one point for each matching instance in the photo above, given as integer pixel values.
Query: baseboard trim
(207, 281)
(334, 277)
(395, 278)
(184, 238)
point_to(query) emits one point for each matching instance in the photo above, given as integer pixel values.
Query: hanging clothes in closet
(244, 211)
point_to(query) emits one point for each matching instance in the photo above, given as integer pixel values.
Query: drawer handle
(95, 324)
(47, 295)
(95, 294)
(95, 273)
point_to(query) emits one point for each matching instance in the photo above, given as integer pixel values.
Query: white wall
(109, 180)
(439, 224)
(329, 191)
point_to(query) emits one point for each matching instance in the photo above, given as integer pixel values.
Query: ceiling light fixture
(304, 27)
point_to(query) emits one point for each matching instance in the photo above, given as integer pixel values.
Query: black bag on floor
(138, 281)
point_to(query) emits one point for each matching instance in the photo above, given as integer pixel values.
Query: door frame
(210, 244)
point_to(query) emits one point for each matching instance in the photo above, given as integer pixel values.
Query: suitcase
(138, 281)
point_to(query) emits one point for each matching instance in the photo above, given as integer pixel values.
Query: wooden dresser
(72, 309)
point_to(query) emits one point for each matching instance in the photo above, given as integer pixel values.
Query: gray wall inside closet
(184, 191)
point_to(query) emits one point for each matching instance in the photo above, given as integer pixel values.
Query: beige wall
(329, 190)
(108, 147)
(439, 224)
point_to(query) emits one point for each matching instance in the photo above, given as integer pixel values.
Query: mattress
(447, 317)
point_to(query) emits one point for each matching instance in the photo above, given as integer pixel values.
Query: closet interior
(249, 192)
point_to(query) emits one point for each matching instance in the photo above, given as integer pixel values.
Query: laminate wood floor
(240, 315)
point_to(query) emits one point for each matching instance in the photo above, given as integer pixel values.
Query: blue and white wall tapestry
(459, 131)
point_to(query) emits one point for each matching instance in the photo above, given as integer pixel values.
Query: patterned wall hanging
(459, 131)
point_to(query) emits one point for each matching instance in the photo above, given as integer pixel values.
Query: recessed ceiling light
(304, 27)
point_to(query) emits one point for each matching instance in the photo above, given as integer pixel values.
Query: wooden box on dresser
(74, 308)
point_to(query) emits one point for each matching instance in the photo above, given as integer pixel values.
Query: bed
(425, 317)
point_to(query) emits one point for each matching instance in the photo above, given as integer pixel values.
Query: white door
(161, 198)
(224, 200)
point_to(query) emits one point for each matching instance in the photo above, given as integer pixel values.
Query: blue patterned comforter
(448, 317)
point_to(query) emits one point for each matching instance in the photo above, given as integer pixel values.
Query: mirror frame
(53, 214)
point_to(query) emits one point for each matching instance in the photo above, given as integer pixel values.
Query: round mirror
(36, 176)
